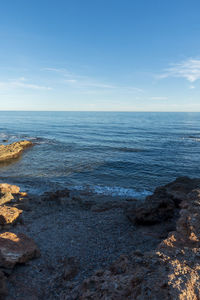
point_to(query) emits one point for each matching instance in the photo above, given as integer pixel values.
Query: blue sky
(110, 55)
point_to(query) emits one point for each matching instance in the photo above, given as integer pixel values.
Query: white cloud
(87, 83)
(159, 98)
(188, 69)
(21, 83)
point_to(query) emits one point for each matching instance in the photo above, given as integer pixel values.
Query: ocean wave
(127, 149)
(194, 138)
(114, 191)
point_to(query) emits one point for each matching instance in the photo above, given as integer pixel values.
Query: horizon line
(114, 111)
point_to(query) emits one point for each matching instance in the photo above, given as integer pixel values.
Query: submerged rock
(16, 248)
(11, 151)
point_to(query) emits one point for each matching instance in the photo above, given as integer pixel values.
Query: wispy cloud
(84, 82)
(87, 83)
(159, 98)
(21, 83)
(188, 69)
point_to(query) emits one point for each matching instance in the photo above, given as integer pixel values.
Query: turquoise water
(106, 152)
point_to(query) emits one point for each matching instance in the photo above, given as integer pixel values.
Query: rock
(8, 188)
(9, 215)
(14, 150)
(16, 248)
(57, 197)
(70, 266)
(11, 194)
(3, 288)
(171, 271)
(164, 202)
(158, 207)
(104, 206)
(6, 198)
(181, 187)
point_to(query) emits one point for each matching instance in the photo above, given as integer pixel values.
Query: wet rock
(16, 248)
(104, 206)
(14, 150)
(158, 207)
(57, 197)
(164, 202)
(9, 215)
(71, 267)
(181, 187)
(3, 288)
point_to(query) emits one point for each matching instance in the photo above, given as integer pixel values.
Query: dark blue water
(113, 153)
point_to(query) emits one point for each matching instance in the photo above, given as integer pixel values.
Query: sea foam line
(114, 191)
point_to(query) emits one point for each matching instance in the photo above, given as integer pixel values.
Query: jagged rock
(6, 198)
(9, 188)
(11, 194)
(16, 248)
(162, 205)
(170, 272)
(11, 151)
(181, 187)
(158, 207)
(9, 215)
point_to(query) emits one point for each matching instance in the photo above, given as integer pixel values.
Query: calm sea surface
(126, 154)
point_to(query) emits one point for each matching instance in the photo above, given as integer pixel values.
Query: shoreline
(83, 240)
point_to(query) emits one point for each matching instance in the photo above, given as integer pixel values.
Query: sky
(100, 55)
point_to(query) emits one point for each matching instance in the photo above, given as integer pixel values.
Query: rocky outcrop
(164, 202)
(6, 188)
(16, 248)
(8, 152)
(170, 272)
(9, 215)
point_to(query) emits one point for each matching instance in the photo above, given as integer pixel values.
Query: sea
(124, 154)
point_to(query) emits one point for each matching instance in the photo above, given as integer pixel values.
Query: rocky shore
(14, 150)
(76, 245)
(113, 250)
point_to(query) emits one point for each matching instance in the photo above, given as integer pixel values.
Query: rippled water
(112, 153)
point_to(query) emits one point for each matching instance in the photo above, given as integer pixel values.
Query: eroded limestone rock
(9, 215)
(16, 248)
(11, 151)
(170, 272)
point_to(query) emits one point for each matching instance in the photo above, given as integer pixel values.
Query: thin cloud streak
(159, 98)
(21, 83)
(188, 69)
(84, 82)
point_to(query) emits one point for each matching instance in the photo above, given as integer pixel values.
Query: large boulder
(11, 151)
(16, 248)
(164, 202)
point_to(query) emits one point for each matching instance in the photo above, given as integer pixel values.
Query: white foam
(114, 191)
